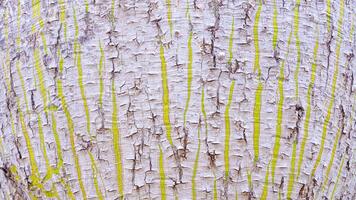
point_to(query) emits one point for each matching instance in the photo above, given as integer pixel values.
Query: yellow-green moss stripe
(44, 43)
(54, 121)
(86, 3)
(292, 171)
(32, 196)
(34, 177)
(36, 15)
(116, 141)
(338, 177)
(215, 190)
(169, 16)
(187, 14)
(331, 103)
(331, 161)
(36, 9)
(231, 40)
(53, 192)
(49, 173)
(228, 131)
(328, 14)
(58, 144)
(249, 179)
(297, 40)
(56, 137)
(275, 25)
(162, 176)
(195, 167)
(95, 175)
(265, 185)
(16, 176)
(78, 64)
(22, 85)
(257, 120)
(40, 76)
(215, 195)
(62, 16)
(189, 75)
(165, 97)
(258, 102)
(256, 41)
(67, 188)
(18, 49)
(279, 194)
(14, 171)
(95, 170)
(71, 136)
(308, 111)
(113, 10)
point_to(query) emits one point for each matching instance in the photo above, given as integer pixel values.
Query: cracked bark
(130, 34)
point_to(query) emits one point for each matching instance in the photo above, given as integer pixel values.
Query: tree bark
(177, 99)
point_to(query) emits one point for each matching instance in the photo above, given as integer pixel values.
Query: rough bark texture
(145, 99)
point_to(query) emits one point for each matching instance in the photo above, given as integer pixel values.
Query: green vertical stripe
(169, 16)
(338, 177)
(258, 102)
(165, 97)
(228, 131)
(195, 167)
(162, 176)
(116, 141)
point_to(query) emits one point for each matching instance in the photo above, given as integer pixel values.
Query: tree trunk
(177, 99)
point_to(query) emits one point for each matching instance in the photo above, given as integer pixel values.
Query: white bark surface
(131, 61)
